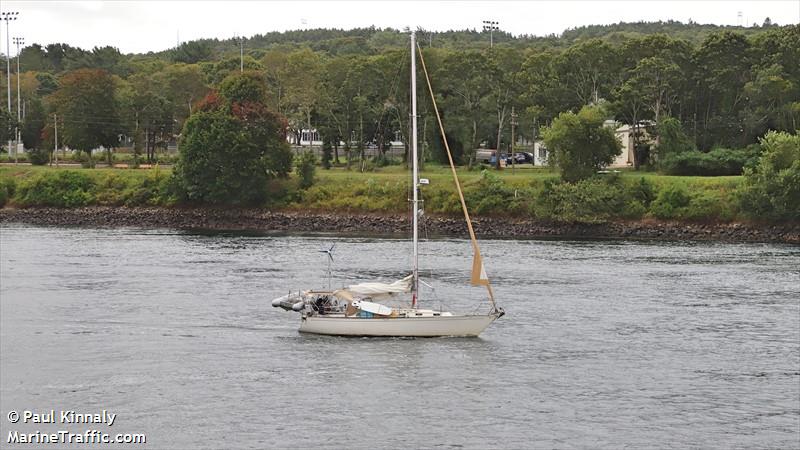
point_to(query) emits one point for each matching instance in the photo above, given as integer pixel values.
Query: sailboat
(362, 309)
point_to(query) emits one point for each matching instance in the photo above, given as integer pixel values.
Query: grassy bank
(528, 193)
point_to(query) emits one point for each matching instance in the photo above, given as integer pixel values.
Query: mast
(414, 171)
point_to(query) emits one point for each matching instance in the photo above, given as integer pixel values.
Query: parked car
(521, 158)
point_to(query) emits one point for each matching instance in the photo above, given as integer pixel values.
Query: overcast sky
(141, 26)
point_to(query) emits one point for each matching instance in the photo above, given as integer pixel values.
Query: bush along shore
(531, 203)
(488, 227)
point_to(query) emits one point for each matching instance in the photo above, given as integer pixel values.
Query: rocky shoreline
(486, 227)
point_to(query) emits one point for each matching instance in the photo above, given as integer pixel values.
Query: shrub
(110, 189)
(772, 190)
(591, 201)
(710, 205)
(490, 195)
(306, 168)
(86, 159)
(357, 195)
(643, 192)
(64, 189)
(670, 203)
(38, 157)
(7, 189)
(717, 162)
(153, 190)
(441, 200)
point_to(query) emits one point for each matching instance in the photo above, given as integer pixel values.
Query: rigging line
(119, 120)
(81, 116)
(92, 122)
(475, 246)
(395, 84)
(85, 117)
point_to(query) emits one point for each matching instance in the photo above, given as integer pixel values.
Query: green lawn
(434, 172)
(525, 193)
(525, 175)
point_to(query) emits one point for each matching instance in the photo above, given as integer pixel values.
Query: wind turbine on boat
(329, 252)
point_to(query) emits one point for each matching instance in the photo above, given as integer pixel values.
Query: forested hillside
(726, 86)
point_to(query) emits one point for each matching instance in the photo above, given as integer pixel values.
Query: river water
(605, 343)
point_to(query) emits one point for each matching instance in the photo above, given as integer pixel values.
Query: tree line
(723, 87)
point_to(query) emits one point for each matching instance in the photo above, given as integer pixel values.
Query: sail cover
(376, 289)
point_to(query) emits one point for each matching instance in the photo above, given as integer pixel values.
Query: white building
(539, 154)
(313, 140)
(308, 138)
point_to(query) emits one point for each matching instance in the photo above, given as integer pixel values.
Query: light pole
(8, 16)
(490, 26)
(241, 52)
(18, 41)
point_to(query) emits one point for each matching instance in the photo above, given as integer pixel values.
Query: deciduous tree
(579, 143)
(232, 144)
(87, 104)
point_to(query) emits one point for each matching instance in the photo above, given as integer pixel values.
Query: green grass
(530, 192)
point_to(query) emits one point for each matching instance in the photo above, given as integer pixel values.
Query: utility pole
(533, 134)
(7, 17)
(18, 41)
(490, 26)
(513, 124)
(241, 52)
(55, 140)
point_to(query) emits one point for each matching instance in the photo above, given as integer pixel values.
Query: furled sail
(479, 277)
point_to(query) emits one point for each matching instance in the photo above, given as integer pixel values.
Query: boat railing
(328, 309)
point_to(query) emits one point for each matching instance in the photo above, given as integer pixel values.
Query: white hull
(398, 326)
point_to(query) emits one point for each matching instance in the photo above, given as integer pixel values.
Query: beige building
(624, 134)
